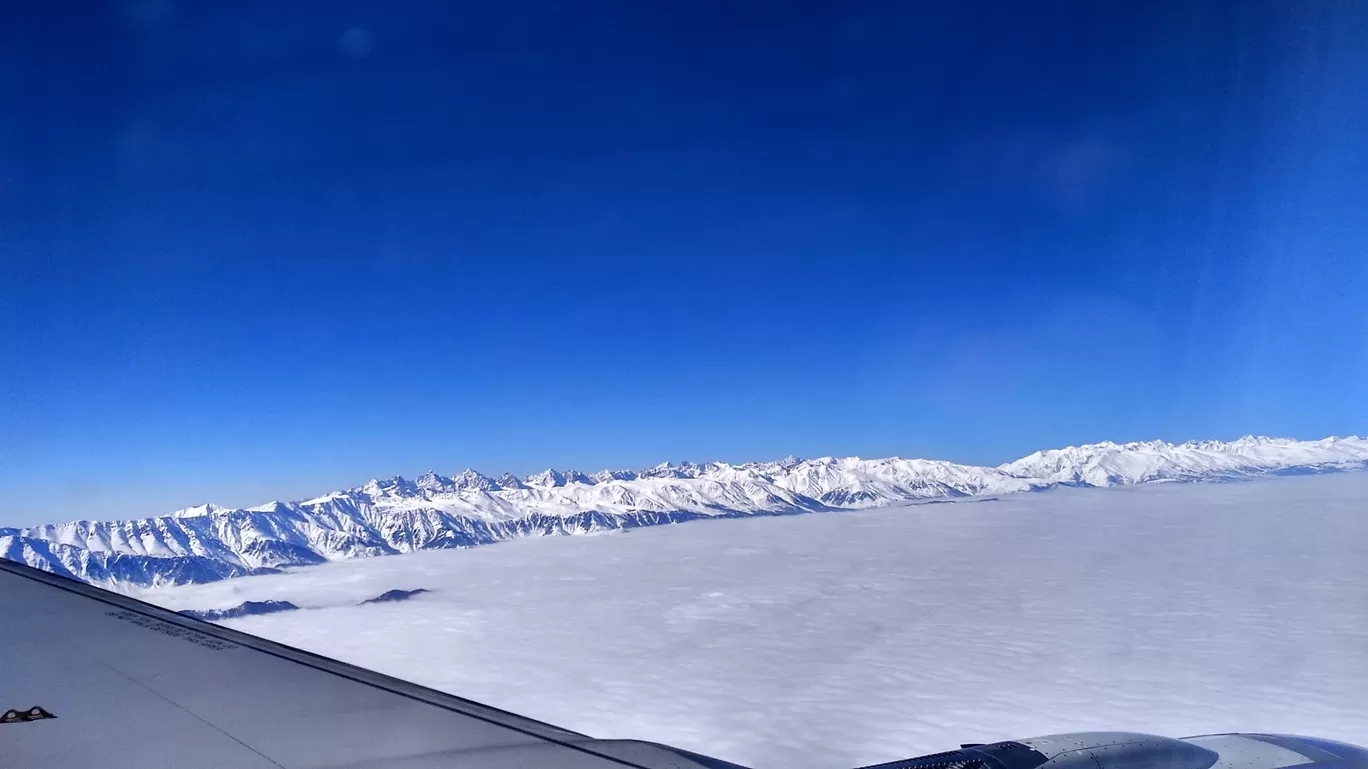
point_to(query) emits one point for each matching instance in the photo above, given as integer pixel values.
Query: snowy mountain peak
(575, 476)
(432, 481)
(604, 476)
(208, 508)
(468, 479)
(778, 466)
(395, 515)
(1111, 464)
(547, 478)
(1255, 440)
(670, 470)
(396, 487)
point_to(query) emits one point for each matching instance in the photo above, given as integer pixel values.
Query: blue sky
(263, 250)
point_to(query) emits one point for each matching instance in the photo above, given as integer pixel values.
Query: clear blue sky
(261, 250)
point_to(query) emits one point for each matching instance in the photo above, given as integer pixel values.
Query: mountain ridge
(395, 515)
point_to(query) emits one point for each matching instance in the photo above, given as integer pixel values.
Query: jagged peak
(388, 487)
(551, 478)
(433, 481)
(475, 481)
(357, 523)
(547, 477)
(208, 508)
(575, 476)
(671, 470)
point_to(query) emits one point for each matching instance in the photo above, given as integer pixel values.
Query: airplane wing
(93, 678)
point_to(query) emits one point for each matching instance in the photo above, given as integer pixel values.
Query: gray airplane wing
(93, 678)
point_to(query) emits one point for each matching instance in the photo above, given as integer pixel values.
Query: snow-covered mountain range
(396, 515)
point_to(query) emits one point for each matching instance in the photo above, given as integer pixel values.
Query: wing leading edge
(129, 684)
(94, 678)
